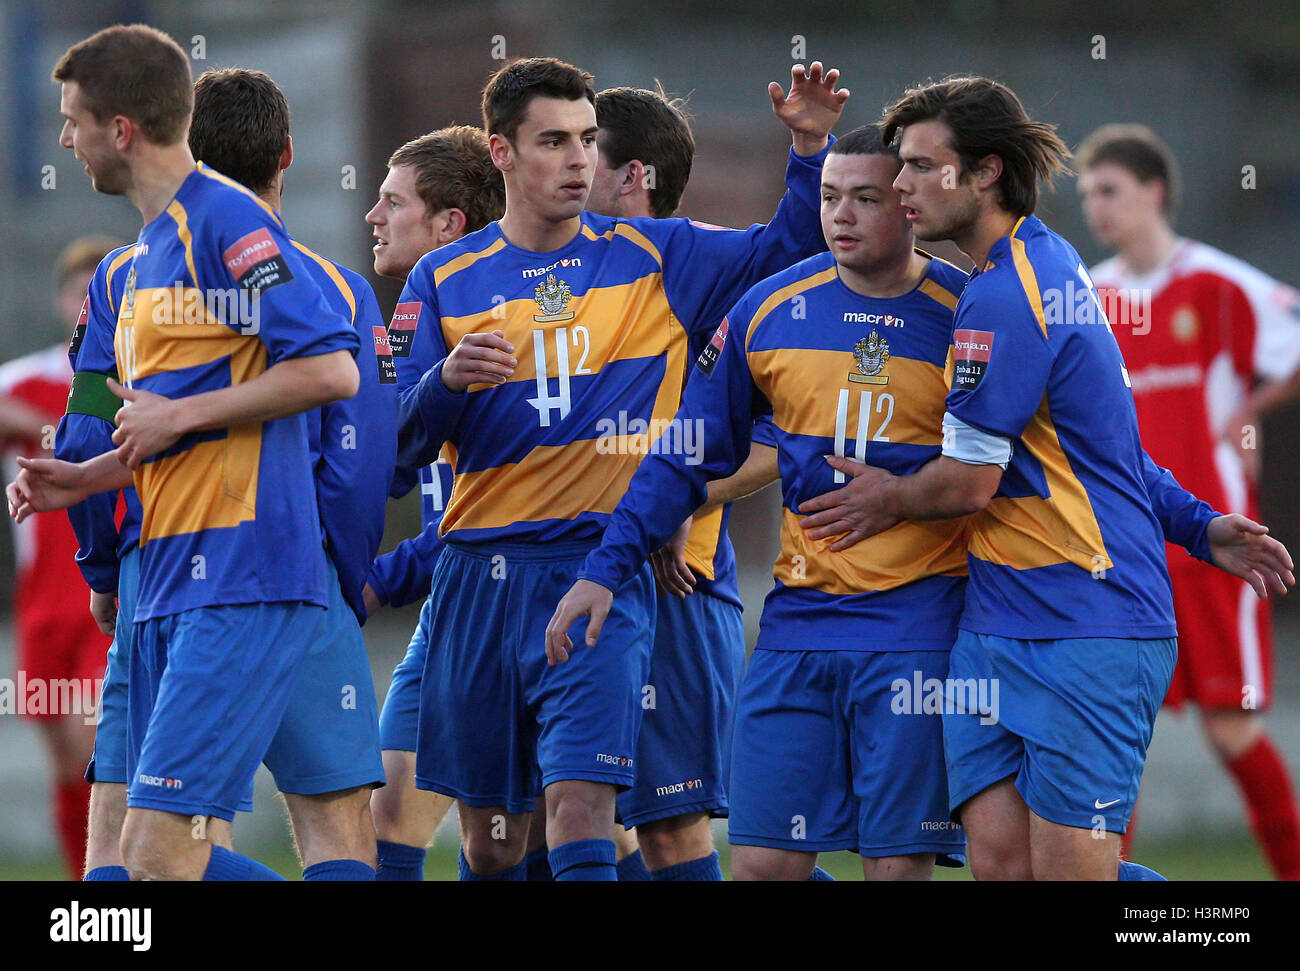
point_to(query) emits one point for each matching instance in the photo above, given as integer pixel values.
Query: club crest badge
(128, 297)
(871, 354)
(552, 297)
(1184, 325)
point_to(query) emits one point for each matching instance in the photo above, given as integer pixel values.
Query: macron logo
(557, 265)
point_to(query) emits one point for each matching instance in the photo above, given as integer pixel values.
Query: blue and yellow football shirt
(1069, 546)
(601, 329)
(87, 429)
(838, 373)
(216, 293)
(353, 442)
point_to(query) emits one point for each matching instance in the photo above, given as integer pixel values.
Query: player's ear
(502, 152)
(988, 171)
(123, 131)
(286, 157)
(453, 226)
(633, 175)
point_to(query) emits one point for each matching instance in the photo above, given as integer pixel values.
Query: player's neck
(892, 279)
(156, 177)
(978, 238)
(530, 231)
(1148, 248)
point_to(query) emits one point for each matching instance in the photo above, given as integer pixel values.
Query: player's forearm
(103, 473)
(759, 469)
(942, 489)
(1184, 519)
(426, 415)
(287, 388)
(807, 145)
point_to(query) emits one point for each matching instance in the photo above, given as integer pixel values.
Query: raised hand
(812, 107)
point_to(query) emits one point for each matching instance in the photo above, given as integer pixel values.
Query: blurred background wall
(1220, 81)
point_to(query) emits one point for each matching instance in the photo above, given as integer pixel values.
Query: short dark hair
(454, 170)
(986, 118)
(240, 126)
(1135, 148)
(866, 140)
(136, 71)
(648, 126)
(508, 92)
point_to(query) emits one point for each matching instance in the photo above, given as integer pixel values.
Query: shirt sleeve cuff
(974, 446)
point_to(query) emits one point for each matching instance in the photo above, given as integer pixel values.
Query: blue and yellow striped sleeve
(722, 401)
(707, 268)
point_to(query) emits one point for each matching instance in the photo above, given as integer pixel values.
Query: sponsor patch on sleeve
(79, 332)
(384, 356)
(708, 359)
(401, 329)
(256, 262)
(971, 350)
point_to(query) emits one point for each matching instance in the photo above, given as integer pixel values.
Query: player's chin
(568, 207)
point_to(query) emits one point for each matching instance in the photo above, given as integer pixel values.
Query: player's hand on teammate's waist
(584, 599)
(479, 359)
(852, 513)
(812, 107)
(672, 575)
(146, 424)
(1242, 547)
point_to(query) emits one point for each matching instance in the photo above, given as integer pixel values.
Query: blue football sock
(538, 865)
(585, 860)
(517, 872)
(228, 865)
(820, 874)
(107, 873)
(339, 870)
(632, 868)
(705, 868)
(397, 861)
(1136, 871)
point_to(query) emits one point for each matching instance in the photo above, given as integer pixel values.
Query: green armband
(90, 396)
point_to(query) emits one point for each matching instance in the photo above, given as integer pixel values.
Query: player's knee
(487, 856)
(581, 809)
(668, 842)
(758, 863)
(999, 862)
(1230, 734)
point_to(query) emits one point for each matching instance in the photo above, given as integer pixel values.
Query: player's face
(70, 296)
(604, 197)
(91, 142)
(862, 217)
(553, 157)
(404, 229)
(940, 203)
(1116, 204)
